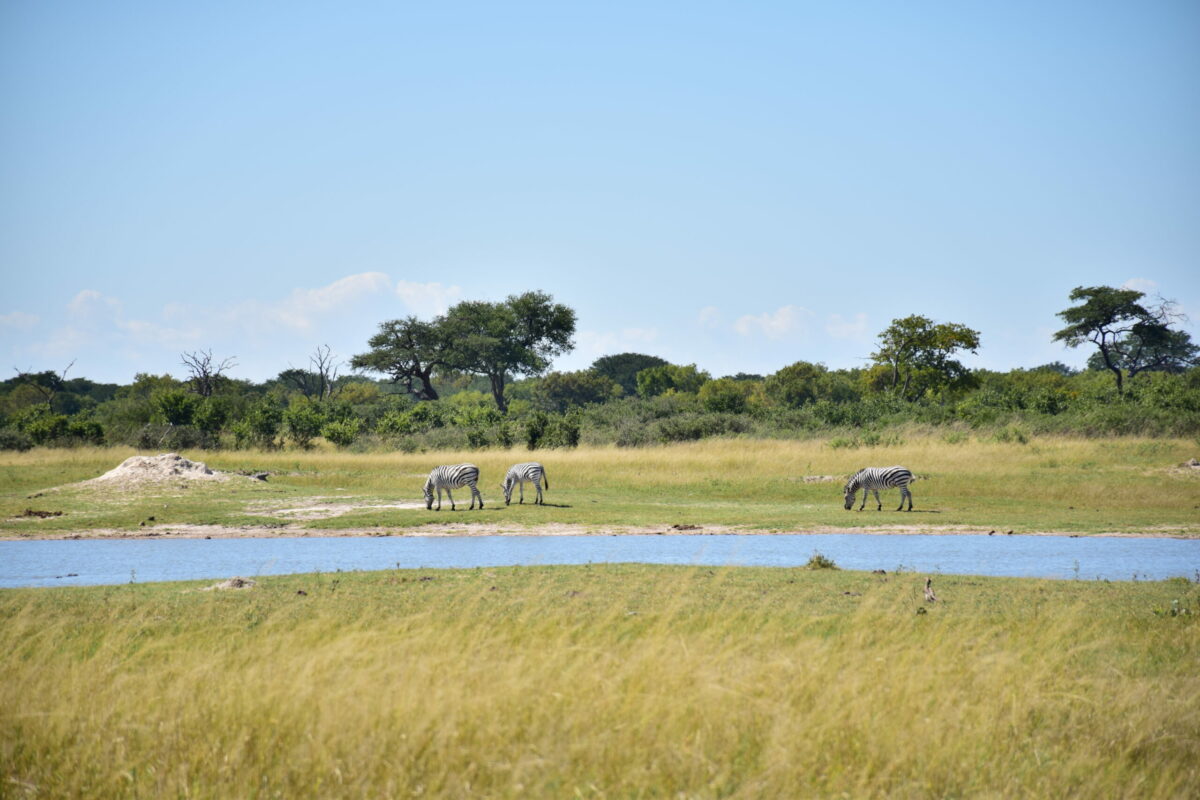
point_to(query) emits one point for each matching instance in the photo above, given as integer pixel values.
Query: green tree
(1127, 334)
(303, 420)
(795, 384)
(409, 351)
(174, 406)
(918, 353)
(342, 433)
(670, 377)
(559, 391)
(515, 337)
(624, 367)
(727, 395)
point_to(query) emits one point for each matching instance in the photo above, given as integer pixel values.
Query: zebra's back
(529, 472)
(454, 475)
(881, 478)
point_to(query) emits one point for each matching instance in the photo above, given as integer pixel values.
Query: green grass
(602, 681)
(1055, 484)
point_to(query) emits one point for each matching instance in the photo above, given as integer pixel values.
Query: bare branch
(204, 375)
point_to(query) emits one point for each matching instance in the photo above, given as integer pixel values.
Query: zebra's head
(507, 487)
(849, 491)
(428, 490)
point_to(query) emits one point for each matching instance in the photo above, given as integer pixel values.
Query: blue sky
(739, 186)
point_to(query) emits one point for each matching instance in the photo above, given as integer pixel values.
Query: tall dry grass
(636, 682)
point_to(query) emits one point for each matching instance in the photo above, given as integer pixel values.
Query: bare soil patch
(326, 508)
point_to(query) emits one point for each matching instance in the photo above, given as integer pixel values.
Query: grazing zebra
(452, 476)
(872, 479)
(520, 474)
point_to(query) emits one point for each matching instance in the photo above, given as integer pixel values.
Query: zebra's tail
(545, 480)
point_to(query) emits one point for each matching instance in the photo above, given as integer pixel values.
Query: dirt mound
(157, 469)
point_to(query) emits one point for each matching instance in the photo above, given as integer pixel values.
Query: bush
(690, 427)
(13, 439)
(725, 395)
(818, 561)
(303, 420)
(47, 427)
(169, 438)
(341, 433)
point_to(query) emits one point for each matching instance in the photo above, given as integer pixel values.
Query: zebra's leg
(522, 485)
(452, 508)
(475, 493)
(439, 491)
(538, 485)
(904, 492)
(878, 502)
(866, 494)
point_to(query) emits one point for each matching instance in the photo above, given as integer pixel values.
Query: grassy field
(602, 681)
(1052, 484)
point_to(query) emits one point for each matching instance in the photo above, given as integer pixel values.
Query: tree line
(479, 376)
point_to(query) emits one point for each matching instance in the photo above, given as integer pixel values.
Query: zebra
(520, 474)
(872, 479)
(452, 476)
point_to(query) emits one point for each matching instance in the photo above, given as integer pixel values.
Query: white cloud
(427, 299)
(709, 317)
(19, 320)
(300, 308)
(90, 303)
(838, 327)
(1144, 285)
(774, 325)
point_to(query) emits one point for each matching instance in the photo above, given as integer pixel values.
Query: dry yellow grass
(601, 682)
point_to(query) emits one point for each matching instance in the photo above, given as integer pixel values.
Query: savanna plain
(611, 680)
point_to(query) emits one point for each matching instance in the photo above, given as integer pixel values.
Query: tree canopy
(1129, 336)
(918, 353)
(518, 336)
(408, 351)
(624, 367)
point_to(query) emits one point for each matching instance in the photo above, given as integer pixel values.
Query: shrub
(174, 406)
(47, 427)
(13, 439)
(560, 391)
(535, 429)
(341, 433)
(725, 395)
(818, 561)
(303, 420)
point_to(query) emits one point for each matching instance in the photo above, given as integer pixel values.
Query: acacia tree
(1158, 350)
(408, 351)
(516, 337)
(915, 348)
(1129, 336)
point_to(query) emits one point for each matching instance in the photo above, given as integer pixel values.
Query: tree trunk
(1114, 369)
(497, 380)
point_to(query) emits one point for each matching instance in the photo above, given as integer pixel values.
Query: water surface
(106, 561)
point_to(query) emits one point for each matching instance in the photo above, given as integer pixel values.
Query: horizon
(736, 188)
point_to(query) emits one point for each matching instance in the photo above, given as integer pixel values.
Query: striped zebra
(452, 476)
(872, 479)
(520, 474)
